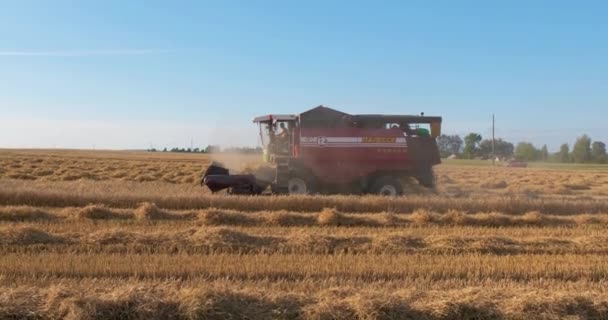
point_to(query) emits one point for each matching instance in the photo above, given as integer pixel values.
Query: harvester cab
(324, 150)
(277, 135)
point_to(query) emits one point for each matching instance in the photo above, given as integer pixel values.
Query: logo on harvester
(321, 141)
(378, 139)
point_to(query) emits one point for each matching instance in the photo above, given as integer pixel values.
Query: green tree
(598, 152)
(471, 142)
(544, 153)
(526, 151)
(581, 152)
(502, 148)
(564, 153)
(449, 144)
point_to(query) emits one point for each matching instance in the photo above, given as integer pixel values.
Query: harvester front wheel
(297, 185)
(387, 186)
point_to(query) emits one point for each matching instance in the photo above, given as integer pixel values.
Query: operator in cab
(282, 131)
(282, 138)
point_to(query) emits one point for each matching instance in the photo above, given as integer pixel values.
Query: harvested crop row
(471, 268)
(327, 217)
(223, 240)
(170, 302)
(23, 194)
(332, 217)
(145, 211)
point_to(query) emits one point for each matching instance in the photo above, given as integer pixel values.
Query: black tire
(300, 184)
(387, 186)
(297, 184)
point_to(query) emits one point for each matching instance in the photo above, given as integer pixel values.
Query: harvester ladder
(282, 177)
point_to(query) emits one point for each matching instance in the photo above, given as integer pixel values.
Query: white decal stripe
(355, 144)
(373, 145)
(333, 139)
(345, 139)
(350, 142)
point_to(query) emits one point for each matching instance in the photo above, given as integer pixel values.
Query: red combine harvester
(327, 151)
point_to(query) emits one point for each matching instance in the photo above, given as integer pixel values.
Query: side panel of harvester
(343, 155)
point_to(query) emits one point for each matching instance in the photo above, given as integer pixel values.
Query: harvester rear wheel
(387, 186)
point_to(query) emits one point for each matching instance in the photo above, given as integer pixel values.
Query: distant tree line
(211, 149)
(473, 146)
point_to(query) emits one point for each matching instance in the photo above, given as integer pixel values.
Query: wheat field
(131, 235)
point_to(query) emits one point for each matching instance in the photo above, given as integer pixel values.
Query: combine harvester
(327, 151)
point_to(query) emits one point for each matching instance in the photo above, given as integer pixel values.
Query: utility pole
(493, 140)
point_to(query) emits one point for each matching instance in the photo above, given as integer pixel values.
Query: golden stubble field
(131, 235)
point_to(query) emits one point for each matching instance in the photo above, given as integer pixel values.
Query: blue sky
(135, 74)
